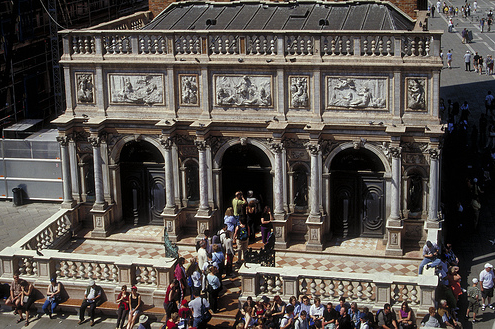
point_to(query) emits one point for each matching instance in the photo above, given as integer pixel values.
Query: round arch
(117, 148)
(217, 161)
(347, 145)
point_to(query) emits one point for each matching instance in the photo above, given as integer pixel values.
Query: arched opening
(191, 180)
(143, 183)
(300, 183)
(86, 168)
(244, 168)
(357, 191)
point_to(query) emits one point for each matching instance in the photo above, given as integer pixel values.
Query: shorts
(487, 292)
(473, 305)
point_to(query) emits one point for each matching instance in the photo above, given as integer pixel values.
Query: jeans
(49, 303)
(265, 233)
(434, 263)
(121, 316)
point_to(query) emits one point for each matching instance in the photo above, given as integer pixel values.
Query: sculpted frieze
(136, 89)
(298, 91)
(416, 94)
(85, 88)
(189, 94)
(243, 90)
(356, 93)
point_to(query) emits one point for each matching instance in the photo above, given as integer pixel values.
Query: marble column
(102, 213)
(314, 151)
(98, 172)
(67, 185)
(170, 207)
(203, 176)
(394, 222)
(280, 228)
(396, 181)
(434, 186)
(277, 149)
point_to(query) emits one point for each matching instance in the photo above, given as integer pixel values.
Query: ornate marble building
(327, 110)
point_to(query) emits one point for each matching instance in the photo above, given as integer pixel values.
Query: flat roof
(300, 15)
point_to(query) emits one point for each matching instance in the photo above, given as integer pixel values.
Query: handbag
(205, 313)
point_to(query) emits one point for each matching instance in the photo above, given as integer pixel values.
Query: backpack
(243, 233)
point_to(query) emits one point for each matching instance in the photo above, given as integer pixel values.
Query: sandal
(20, 320)
(27, 323)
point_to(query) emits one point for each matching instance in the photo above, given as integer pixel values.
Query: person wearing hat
(52, 297)
(473, 294)
(467, 60)
(92, 298)
(143, 322)
(135, 305)
(364, 321)
(487, 280)
(430, 256)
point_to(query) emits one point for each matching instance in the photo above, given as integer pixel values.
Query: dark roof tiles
(302, 15)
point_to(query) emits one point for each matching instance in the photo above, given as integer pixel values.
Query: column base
(280, 228)
(102, 219)
(204, 222)
(314, 241)
(171, 224)
(203, 212)
(169, 210)
(434, 232)
(68, 204)
(394, 238)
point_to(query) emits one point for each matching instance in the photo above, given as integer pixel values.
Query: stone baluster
(322, 286)
(312, 287)
(365, 46)
(331, 287)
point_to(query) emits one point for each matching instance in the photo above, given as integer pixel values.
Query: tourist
(489, 64)
(488, 102)
(467, 60)
(229, 253)
(251, 220)
(242, 235)
(432, 319)
(287, 320)
(342, 303)
(216, 287)
(222, 233)
(405, 317)
(302, 321)
(386, 318)
(237, 204)
(480, 65)
(449, 254)
(123, 310)
(330, 317)
(464, 35)
(354, 313)
(200, 307)
(266, 224)
(27, 300)
(487, 280)
(15, 297)
(143, 322)
(316, 313)
(185, 315)
(202, 254)
(430, 255)
(180, 275)
(449, 59)
(92, 298)
(297, 306)
(304, 305)
(230, 220)
(249, 317)
(344, 321)
(447, 318)
(218, 258)
(52, 297)
(171, 298)
(474, 294)
(194, 277)
(135, 306)
(172, 322)
(364, 324)
(278, 308)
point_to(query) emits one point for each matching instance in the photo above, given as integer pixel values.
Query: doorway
(244, 168)
(357, 191)
(143, 183)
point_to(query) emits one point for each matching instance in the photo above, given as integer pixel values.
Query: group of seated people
(302, 314)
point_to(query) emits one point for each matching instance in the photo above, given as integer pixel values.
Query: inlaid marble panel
(136, 89)
(357, 92)
(243, 90)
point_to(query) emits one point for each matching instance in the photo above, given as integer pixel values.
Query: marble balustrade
(367, 289)
(221, 44)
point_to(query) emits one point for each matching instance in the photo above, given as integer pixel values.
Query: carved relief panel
(356, 92)
(136, 89)
(85, 88)
(189, 89)
(416, 94)
(299, 92)
(243, 90)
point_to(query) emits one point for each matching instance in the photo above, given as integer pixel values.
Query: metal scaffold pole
(54, 45)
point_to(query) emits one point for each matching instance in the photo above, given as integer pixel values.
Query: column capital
(201, 145)
(166, 141)
(63, 140)
(95, 141)
(313, 148)
(434, 153)
(395, 151)
(276, 147)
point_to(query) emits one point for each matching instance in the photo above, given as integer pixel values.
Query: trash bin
(17, 193)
